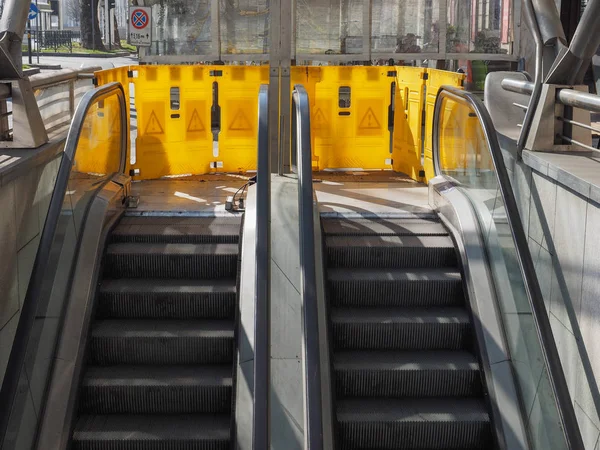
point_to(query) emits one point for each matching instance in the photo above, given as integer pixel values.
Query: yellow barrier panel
(173, 120)
(408, 121)
(121, 75)
(99, 144)
(349, 118)
(462, 141)
(238, 98)
(436, 79)
(308, 77)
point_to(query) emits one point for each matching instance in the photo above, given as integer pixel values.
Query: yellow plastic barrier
(121, 75)
(350, 110)
(436, 79)
(308, 77)
(99, 144)
(173, 120)
(350, 117)
(408, 121)
(238, 98)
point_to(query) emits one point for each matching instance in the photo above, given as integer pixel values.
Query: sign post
(140, 26)
(33, 12)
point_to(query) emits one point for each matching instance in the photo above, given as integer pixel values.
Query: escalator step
(156, 390)
(152, 432)
(171, 261)
(162, 299)
(162, 342)
(177, 230)
(401, 328)
(383, 227)
(406, 374)
(413, 424)
(395, 287)
(390, 251)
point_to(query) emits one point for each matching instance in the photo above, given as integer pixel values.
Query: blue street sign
(33, 11)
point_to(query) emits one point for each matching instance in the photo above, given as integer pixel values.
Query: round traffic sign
(139, 19)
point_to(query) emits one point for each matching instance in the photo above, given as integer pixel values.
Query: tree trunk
(116, 37)
(89, 22)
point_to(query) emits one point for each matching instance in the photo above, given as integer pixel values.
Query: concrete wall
(24, 201)
(563, 228)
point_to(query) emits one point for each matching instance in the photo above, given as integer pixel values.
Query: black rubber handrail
(262, 315)
(302, 166)
(550, 354)
(18, 352)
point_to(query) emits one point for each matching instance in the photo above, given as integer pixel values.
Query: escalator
(405, 358)
(428, 331)
(160, 359)
(134, 326)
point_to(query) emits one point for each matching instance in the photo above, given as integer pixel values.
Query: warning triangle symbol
(195, 123)
(369, 121)
(240, 122)
(153, 126)
(319, 119)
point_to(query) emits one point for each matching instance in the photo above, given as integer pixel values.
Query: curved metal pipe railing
(550, 354)
(10, 385)
(262, 300)
(537, 89)
(302, 166)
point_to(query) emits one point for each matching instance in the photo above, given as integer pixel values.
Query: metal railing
(302, 166)
(37, 283)
(566, 97)
(537, 90)
(57, 95)
(549, 350)
(262, 301)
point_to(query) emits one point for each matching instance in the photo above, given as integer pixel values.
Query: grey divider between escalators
(104, 212)
(457, 214)
(245, 347)
(287, 398)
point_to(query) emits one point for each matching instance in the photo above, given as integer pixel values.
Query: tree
(90, 26)
(116, 36)
(73, 10)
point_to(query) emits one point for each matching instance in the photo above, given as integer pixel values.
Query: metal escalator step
(156, 389)
(161, 342)
(401, 328)
(395, 287)
(413, 424)
(152, 432)
(162, 299)
(406, 374)
(390, 251)
(191, 230)
(171, 261)
(383, 227)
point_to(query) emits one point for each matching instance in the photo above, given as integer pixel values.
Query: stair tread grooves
(367, 227)
(404, 360)
(157, 285)
(128, 248)
(379, 275)
(153, 427)
(440, 315)
(431, 242)
(180, 220)
(134, 328)
(177, 230)
(412, 409)
(148, 375)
